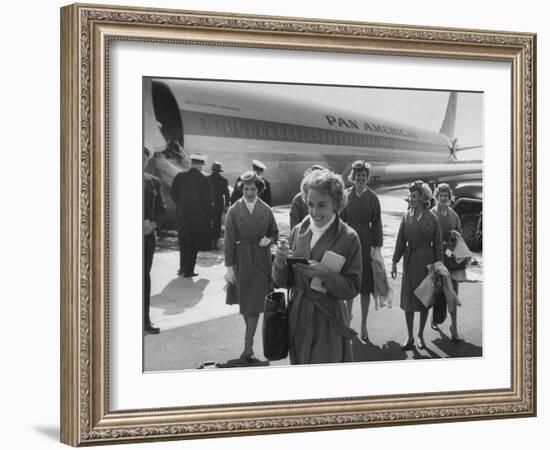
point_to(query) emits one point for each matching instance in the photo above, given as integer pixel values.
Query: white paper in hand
(333, 262)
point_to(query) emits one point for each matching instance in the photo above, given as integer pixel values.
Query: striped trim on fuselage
(224, 126)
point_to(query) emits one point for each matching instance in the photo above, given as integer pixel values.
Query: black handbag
(275, 327)
(439, 312)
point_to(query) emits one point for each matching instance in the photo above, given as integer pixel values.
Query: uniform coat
(298, 210)
(312, 338)
(154, 209)
(448, 222)
(362, 213)
(420, 243)
(251, 263)
(191, 192)
(265, 195)
(220, 199)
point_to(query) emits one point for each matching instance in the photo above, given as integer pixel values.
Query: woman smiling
(250, 229)
(362, 213)
(318, 318)
(419, 241)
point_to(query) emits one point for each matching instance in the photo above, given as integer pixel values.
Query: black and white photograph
(309, 224)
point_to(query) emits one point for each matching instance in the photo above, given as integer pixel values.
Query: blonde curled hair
(328, 183)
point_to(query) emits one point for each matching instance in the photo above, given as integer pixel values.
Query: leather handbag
(275, 327)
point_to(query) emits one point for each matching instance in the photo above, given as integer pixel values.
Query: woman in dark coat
(318, 318)
(362, 213)
(250, 229)
(450, 225)
(419, 241)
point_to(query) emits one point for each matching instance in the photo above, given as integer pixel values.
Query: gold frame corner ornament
(86, 31)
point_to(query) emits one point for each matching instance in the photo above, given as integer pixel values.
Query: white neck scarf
(250, 205)
(317, 232)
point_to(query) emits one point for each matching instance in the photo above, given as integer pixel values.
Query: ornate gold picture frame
(87, 33)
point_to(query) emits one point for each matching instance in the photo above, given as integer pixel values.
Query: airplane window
(251, 129)
(202, 121)
(241, 127)
(316, 135)
(288, 131)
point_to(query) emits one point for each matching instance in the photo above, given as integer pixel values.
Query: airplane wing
(470, 147)
(399, 174)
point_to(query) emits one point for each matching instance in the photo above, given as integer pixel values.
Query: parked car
(468, 204)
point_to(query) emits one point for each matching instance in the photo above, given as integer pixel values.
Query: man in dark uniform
(220, 199)
(191, 192)
(154, 209)
(258, 167)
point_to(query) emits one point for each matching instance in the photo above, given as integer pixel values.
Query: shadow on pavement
(238, 362)
(427, 353)
(180, 294)
(390, 351)
(459, 350)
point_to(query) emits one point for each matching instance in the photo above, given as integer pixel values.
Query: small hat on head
(361, 165)
(443, 187)
(197, 158)
(216, 167)
(423, 188)
(249, 176)
(317, 167)
(258, 165)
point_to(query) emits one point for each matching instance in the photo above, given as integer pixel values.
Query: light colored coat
(313, 339)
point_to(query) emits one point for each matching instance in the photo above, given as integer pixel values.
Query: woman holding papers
(362, 213)
(318, 317)
(250, 229)
(419, 241)
(450, 228)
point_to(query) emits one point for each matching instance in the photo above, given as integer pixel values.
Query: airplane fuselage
(230, 125)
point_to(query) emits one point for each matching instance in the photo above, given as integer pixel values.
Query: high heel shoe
(409, 345)
(421, 343)
(365, 337)
(454, 337)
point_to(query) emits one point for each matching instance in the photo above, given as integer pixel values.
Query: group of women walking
(335, 241)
